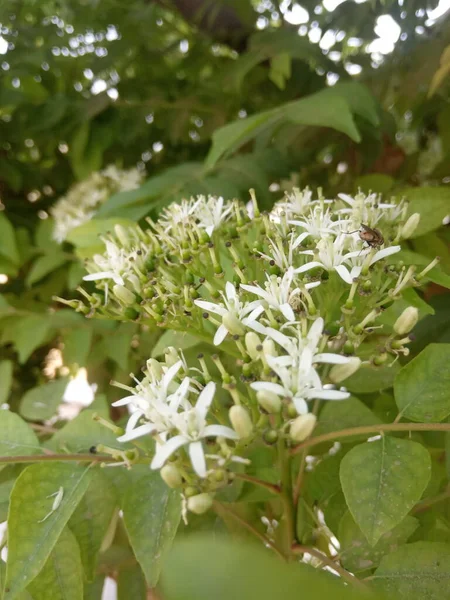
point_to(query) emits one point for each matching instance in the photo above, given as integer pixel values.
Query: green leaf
(45, 265)
(61, 578)
(30, 333)
(420, 571)
(432, 203)
(93, 590)
(375, 182)
(8, 246)
(31, 538)
(5, 492)
(82, 433)
(117, 346)
(202, 568)
(89, 233)
(357, 555)
(182, 341)
(6, 374)
(22, 596)
(77, 344)
(41, 403)
(369, 378)
(131, 584)
(16, 437)
(151, 515)
(422, 386)
(342, 415)
(382, 481)
(90, 521)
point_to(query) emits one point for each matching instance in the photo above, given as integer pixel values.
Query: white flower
(369, 209)
(155, 401)
(278, 293)
(232, 311)
(212, 212)
(283, 257)
(112, 265)
(178, 215)
(192, 428)
(317, 224)
(295, 203)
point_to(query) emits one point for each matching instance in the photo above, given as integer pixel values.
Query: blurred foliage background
(202, 97)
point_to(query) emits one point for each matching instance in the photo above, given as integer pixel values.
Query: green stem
(275, 489)
(57, 458)
(368, 429)
(287, 522)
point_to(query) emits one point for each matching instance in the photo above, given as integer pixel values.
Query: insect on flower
(373, 237)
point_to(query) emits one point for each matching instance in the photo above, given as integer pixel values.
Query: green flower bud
(252, 343)
(233, 324)
(190, 491)
(171, 356)
(124, 295)
(269, 348)
(122, 235)
(340, 372)
(406, 321)
(302, 427)
(241, 421)
(270, 436)
(154, 368)
(200, 503)
(269, 401)
(171, 475)
(410, 226)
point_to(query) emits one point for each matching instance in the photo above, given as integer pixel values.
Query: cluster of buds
(83, 199)
(288, 301)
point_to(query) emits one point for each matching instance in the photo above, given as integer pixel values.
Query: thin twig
(272, 487)
(299, 479)
(43, 428)
(57, 458)
(429, 502)
(221, 508)
(368, 429)
(351, 579)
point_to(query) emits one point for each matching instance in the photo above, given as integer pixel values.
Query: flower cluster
(290, 304)
(84, 198)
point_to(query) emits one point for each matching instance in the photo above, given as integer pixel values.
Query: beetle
(373, 237)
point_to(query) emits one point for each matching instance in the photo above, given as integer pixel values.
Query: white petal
(313, 284)
(300, 406)
(315, 332)
(210, 307)
(253, 289)
(384, 253)
(344, 274)
(133, 420)
(254, 314)
(138, 432)
(205, 398)
(278, 337)
(306, 360)
(221, 334)
(167, 449)
(331, 359)
(301, 237)
(100, 275)
(276, 388)
(311, 265)
(281, 361)
(329, 395)
(124, 401)
(347, 198)
(170, 374)
(230, 291)
(287, 312)
(177, 397)
(220, 431)
(197, 457)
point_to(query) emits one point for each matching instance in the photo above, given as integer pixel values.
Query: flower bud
(302, 427)
(410, 226)
(252, 343)
(406, 321)
(269, 348)
(122, 235)
(124, 294)
(200, 503)
(269, 401)
(233, 324)
(154, 368)
(241, 421)
(340, 372)
(171, 475)
(171, 356)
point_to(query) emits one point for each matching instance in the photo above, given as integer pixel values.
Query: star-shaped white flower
(113, 264)
(192, 428)
(232, 311)
(212, 212)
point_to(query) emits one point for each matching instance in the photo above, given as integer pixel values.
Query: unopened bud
(410, 226)
(232, 323)
(252, 343)
(200, 503)
(171, 356)
(241, 421)
(122, 235)
(124, 294)
(269, 348)
(406, 321)
(340, 372)
(154, 368)
(302, 427)
(269, 401)
(171, 475)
